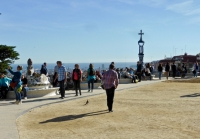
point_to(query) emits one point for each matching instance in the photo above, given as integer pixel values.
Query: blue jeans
(160, 74)
(62, 88)
(92, 82)
(25, 90)
(17, 94)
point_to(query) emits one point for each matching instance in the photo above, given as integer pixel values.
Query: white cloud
(186, 8)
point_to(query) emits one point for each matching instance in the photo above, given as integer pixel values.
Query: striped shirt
(61, 73)
(110, 79)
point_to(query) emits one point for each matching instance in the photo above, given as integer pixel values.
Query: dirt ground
(166, 110)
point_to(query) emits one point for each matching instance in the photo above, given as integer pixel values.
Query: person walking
(24, 86)
(16, 83)
(77, 78)
(160, 69)
(44, 69)
(91, 77)
(174, 70)
(62, 77)
(167, 68)
(110, 80)
(139, 71)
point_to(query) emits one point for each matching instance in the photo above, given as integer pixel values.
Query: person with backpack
(91, 77)
(77, 78)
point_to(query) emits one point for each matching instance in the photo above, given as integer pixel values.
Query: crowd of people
(109, 78)
(18, 83)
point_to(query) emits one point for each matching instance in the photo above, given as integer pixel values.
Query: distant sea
(83, 66)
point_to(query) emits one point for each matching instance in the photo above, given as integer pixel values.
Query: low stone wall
(36, 93)
(84, 85)
(125, 81)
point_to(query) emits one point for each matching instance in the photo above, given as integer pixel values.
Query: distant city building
(189, 60)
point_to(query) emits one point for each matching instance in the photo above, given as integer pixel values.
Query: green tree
(198, 54)
(7, 56)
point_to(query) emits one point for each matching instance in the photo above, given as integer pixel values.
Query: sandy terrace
(167, 110)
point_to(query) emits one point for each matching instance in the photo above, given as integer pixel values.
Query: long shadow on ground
(74, 117)
(192, 95)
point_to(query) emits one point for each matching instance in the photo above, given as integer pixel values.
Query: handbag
(13, 84)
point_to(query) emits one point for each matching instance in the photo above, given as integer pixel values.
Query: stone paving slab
(9, 112)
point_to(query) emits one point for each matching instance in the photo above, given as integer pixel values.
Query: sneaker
(19, 102)
(88, 90)
(25, 98)
(16, 102)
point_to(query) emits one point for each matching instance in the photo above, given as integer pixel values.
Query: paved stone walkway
(9, 112)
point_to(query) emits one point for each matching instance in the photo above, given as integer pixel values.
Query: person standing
(152, 68)
(91, 77)
(167, 68)
(62, 77)
(110, 80)
(77, 78)
(196, 68)
(184, 70)
(54, 76)
(24, 86)
(44, 69)
(174, 70)
(139, 70)
(4, 84)
(17, 84)
(160, 69)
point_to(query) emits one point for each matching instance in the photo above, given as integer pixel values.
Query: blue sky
(99, 30)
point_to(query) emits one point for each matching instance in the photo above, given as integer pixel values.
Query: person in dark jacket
(25, 87)
(139, 70)
(77, 78)
(160, 69)
(184, 70)
(174, 70)
(167, 68)
(44, 69)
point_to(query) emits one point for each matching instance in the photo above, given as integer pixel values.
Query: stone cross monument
(141, 48)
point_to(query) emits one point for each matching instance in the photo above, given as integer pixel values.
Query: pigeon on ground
(86, 102)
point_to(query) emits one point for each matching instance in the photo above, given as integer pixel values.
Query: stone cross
(141, 34)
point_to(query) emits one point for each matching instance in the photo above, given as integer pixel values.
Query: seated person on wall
(118, 72)
(103, 72)
(147, 70)
(98, 76)
(4, 84)
(131, 71)
(24, 86)
(123, 73)
(128, 75)
(143, 74)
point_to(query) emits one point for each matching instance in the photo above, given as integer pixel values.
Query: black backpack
(91, 72)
